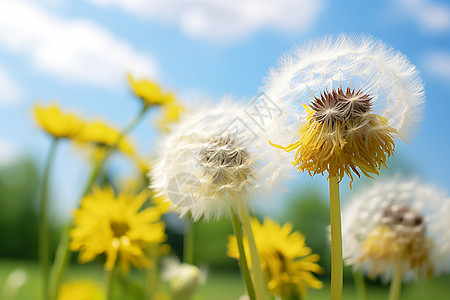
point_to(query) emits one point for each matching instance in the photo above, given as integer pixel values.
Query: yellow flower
(103, 135)
(170, 115)
(149, 92)
(56, 123)
(286, 261)
(117, 227)
(81, 290)
(341, 135)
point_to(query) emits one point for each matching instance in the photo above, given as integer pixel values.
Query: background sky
(77, 53)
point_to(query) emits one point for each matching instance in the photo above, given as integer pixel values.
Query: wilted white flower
(213, 160)
(398, 223)
(350, 97)
(184, 278)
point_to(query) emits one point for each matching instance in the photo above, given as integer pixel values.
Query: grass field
(223, 285)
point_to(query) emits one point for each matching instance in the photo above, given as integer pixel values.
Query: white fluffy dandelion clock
(398, 226)
(213, 160)
(351, 97)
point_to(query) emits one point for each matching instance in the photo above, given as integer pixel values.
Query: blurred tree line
(19, 186)
(19, 183)
(307, 210)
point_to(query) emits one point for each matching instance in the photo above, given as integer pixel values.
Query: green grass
(223, 285)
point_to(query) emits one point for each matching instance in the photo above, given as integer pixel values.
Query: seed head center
(338, 105)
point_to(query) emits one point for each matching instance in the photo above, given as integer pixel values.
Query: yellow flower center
(119, 228)
(341, 135)
(400, 237)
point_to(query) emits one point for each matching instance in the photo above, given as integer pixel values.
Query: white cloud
(437, 63)
(220, 20)
(9, 90)
(430, 16)
(76, 50)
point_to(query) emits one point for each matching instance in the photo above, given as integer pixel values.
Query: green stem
(44, 253)
(188, 242)
(108, 284)
(396, 283)
(60, 263)
(151, 274)
(258, 275)
(59, 266)
(360, 285)
(336, 240)
(242, 259)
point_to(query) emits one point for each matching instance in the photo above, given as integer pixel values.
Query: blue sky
(77, 53)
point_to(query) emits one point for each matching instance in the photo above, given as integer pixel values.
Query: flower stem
(63, 247)
(151, 274)
(188, 242)
(108, 284)
(44, 253)
(336, 240)
(258, 275)
(360, 285)
(61, 260)
(396, 283)
(242, 259)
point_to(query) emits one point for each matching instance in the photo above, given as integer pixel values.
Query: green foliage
(19, 183)
(211, 240)
(310, 214)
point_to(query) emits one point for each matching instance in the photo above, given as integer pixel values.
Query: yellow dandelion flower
(117, 227)
(104, 135)
(57, 123)
(81, 290)
(149, 92)
(170, 115)
(287, 263)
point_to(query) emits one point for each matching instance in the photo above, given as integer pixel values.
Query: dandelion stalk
(396, 283)
(108, 284)
(242, 259)
(360, 285)
(151, 274)
(188, 242)
(258, 275)
(44, 253)
(336, 240)
(61, 261)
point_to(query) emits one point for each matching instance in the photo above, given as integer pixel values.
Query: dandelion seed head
(224, 158)
(358, 95)
(397, 222)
